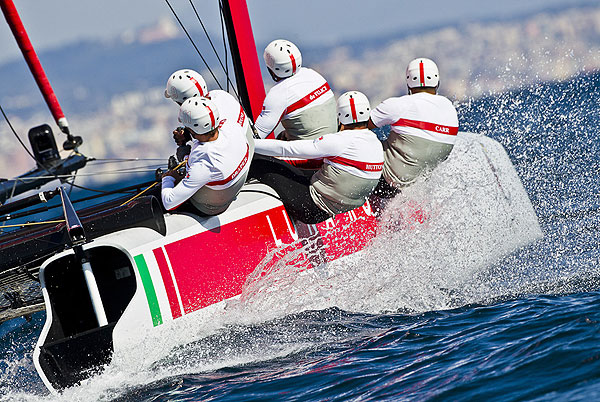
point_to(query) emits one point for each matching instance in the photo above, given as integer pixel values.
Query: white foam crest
(476, 212)
(119, 380)
(203, 343)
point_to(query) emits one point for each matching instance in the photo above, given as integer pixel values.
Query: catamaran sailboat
(120, 269)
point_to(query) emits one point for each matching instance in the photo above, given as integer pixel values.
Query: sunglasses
(188, 133)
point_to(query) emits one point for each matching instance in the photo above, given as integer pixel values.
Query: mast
(18, 30)
(245, 59)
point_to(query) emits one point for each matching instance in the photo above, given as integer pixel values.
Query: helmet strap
(275, 77)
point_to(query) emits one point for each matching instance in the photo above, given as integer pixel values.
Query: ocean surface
(458, 309)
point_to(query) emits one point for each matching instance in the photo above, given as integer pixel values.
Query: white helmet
(184, 84)
(200, 114)
(283, 58)
(353, 107)
(422, 73)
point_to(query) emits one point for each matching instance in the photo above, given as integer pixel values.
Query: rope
(91, 197)
(18, 225)
(140, 193)
(153, 184)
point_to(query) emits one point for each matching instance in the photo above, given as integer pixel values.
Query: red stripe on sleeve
(241, 117)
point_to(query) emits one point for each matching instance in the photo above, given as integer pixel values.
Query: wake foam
(435, 239)
(474, 210)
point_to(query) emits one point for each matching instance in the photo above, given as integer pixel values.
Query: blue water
(534, 333)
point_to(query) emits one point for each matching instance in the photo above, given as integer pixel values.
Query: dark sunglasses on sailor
(188, 133)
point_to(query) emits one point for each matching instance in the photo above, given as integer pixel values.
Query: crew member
(353, 160)
(218, 163)
(187, 83)
(424, 126)
(300, 99)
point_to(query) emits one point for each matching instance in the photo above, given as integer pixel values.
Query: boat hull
(146, 280)
(149, 281)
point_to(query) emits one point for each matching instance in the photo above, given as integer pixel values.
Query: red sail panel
(18, 30)
(245, 59)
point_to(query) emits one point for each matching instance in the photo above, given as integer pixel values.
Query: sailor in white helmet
(352, 164)
(301, 98)
(424, 126)
(187, 83)
(218, 163)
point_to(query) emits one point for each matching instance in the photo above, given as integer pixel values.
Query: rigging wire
(32, 156)
(193, 44)
(228, 80)
(213, 47)
(124, 190)
(115, 160)
(91, 189)
(224, 43)
(50, 176)
(17, 135)
(136, 170)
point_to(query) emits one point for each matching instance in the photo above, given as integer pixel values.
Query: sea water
(427, 312)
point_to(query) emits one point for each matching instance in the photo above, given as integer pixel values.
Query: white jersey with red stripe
(357, 152)
(424, 115)
(218, 165)
(229, 108)
(292, 96)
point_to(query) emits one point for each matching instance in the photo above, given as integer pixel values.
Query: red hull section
(212, 266)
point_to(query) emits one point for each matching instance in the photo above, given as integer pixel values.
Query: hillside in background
(476, 59)
(87, 75)
(112, 92)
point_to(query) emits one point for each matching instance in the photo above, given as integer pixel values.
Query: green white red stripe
(153, 305)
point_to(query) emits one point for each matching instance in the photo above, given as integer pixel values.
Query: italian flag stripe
(149, 288)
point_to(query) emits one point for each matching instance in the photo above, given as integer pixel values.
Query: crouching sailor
(353, 160)
(187, 83)
(424, 126)
(217, 165)
(301, 98)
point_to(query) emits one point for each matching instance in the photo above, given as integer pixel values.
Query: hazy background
(58, 22)
(108, 61)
